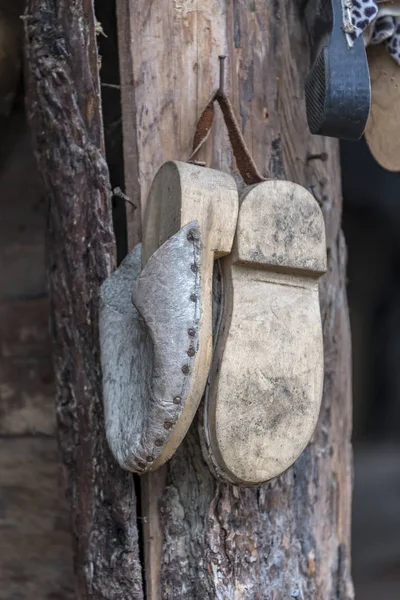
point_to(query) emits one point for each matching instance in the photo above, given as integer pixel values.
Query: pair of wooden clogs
(261, 373)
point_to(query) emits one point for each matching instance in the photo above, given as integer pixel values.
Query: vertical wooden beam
(152, 37)
(169, 67)
(125, 16)
(291, 537)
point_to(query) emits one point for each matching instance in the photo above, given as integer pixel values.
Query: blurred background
(35, 556)
(371, 222)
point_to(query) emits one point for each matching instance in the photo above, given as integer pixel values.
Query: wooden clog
(265, 385)
(156, 354)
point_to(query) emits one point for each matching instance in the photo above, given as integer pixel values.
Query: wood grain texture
(161, 44)
(382, 131)
(64, 113)
(182, 193)
(265, 386)
(291, 537)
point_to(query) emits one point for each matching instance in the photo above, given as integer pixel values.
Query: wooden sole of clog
(182, 193)
(265, 385)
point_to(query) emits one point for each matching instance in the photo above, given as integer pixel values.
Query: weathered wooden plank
(166, 120)
(168, 70)
(290, 538)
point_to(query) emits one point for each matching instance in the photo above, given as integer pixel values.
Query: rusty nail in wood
(193, 297)
(192, 332)
(177, 400)
(168, 425)
(150, 458)
(194, 268)
(191, 352)
(159, 443)
(185, 369)
(118, 193)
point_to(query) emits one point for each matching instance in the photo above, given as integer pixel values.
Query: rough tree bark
(291, 537)
(65, 116)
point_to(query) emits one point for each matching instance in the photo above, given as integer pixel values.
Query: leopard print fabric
(374, 21)
(393, 41)
(362, 14)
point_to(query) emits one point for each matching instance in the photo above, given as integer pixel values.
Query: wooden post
(206, 540)
(291, 537)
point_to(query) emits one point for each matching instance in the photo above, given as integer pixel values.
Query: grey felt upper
(148, 319)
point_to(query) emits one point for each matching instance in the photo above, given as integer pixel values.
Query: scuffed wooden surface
(290, 538)
(63, 108)
(182, 193)
(169, 67)
(264, 395)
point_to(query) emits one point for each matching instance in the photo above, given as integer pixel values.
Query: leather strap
(245, 163)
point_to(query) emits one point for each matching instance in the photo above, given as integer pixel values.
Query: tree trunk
(64, 112)
(204, 539)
